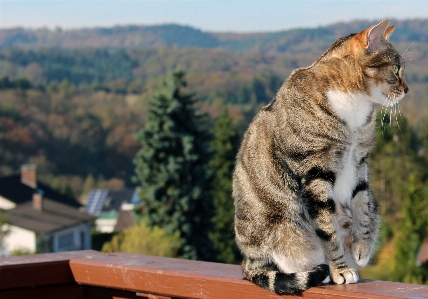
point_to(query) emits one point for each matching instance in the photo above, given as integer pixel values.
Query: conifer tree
(409, 238)
(395, 147)
(171, 168)
(225, 148)
(3, 229)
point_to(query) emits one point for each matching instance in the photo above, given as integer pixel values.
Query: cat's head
(378, 67)
(380, 62)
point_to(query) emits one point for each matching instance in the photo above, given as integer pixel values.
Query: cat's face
(380, 63)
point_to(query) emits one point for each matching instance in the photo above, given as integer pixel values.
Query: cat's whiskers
(405, 54)
(391, 111)
(399, 113)
(384, 109)
(387, 104)
(390, 107)
(397, 108)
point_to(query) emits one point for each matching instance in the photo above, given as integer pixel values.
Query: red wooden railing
(91, 274)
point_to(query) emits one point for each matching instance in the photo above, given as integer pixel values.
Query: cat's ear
(371, 38)
(388, 32)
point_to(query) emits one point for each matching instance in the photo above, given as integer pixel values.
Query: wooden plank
(47, 292)
(202, 280)
(39, 269)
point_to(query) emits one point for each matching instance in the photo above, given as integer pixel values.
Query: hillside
(116, 37)
(305, 40)
(80, 95)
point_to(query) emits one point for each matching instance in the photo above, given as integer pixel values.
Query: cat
(304, 209)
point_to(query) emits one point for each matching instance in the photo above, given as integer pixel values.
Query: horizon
(206, 15)
(207, 31)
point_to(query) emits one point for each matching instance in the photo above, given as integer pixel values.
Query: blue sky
(208, 15)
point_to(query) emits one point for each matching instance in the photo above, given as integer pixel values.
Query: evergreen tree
(395, 147)
(68, 191)
(409, 238)
(244, 95)
(171, 168)
(225, 148)
(258, 91)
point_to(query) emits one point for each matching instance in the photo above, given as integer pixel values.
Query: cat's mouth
(387, 97)
(384, 94)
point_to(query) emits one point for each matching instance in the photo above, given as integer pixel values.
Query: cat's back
(299, 108)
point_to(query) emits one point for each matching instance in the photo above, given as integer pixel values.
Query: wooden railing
(91, 274)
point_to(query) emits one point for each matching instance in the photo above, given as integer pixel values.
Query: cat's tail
(269, 277)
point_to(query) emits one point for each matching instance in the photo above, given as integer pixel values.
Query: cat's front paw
(361, 254)
(345, 276)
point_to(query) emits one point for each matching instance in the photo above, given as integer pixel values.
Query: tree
(4, 230)
(225, 148)
(259, 91)
(244, 95)
(413, 230)
(395, 147)
(143, 239)
(171, 168)
(65, 88)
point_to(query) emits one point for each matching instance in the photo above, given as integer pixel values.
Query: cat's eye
(396, 69)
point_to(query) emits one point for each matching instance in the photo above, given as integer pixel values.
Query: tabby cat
(304, 210)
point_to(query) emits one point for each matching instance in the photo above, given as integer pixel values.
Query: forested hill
(71, 100)
(309, 40)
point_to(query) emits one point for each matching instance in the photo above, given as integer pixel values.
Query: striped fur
(304, 210)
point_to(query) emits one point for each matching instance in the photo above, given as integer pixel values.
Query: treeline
(81, 137)
(73, 137)
(239, 78)
(301, 40)
(20, 83)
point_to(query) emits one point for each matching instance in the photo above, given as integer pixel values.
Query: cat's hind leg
(268, 276)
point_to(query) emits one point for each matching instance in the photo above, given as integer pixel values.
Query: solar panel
(96, 201)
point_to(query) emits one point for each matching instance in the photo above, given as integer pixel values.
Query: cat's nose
(406, 89)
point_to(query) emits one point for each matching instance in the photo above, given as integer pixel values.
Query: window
(82, 240)
(66, 242)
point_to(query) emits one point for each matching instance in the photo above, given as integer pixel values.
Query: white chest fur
(352, 108)
(347, 177)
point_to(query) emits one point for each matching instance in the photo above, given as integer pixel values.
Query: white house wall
(18, 238)
(6, 204)
(105, 225)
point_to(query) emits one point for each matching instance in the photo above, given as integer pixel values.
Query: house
(19, 188)
(113, 208)
(45, 225)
